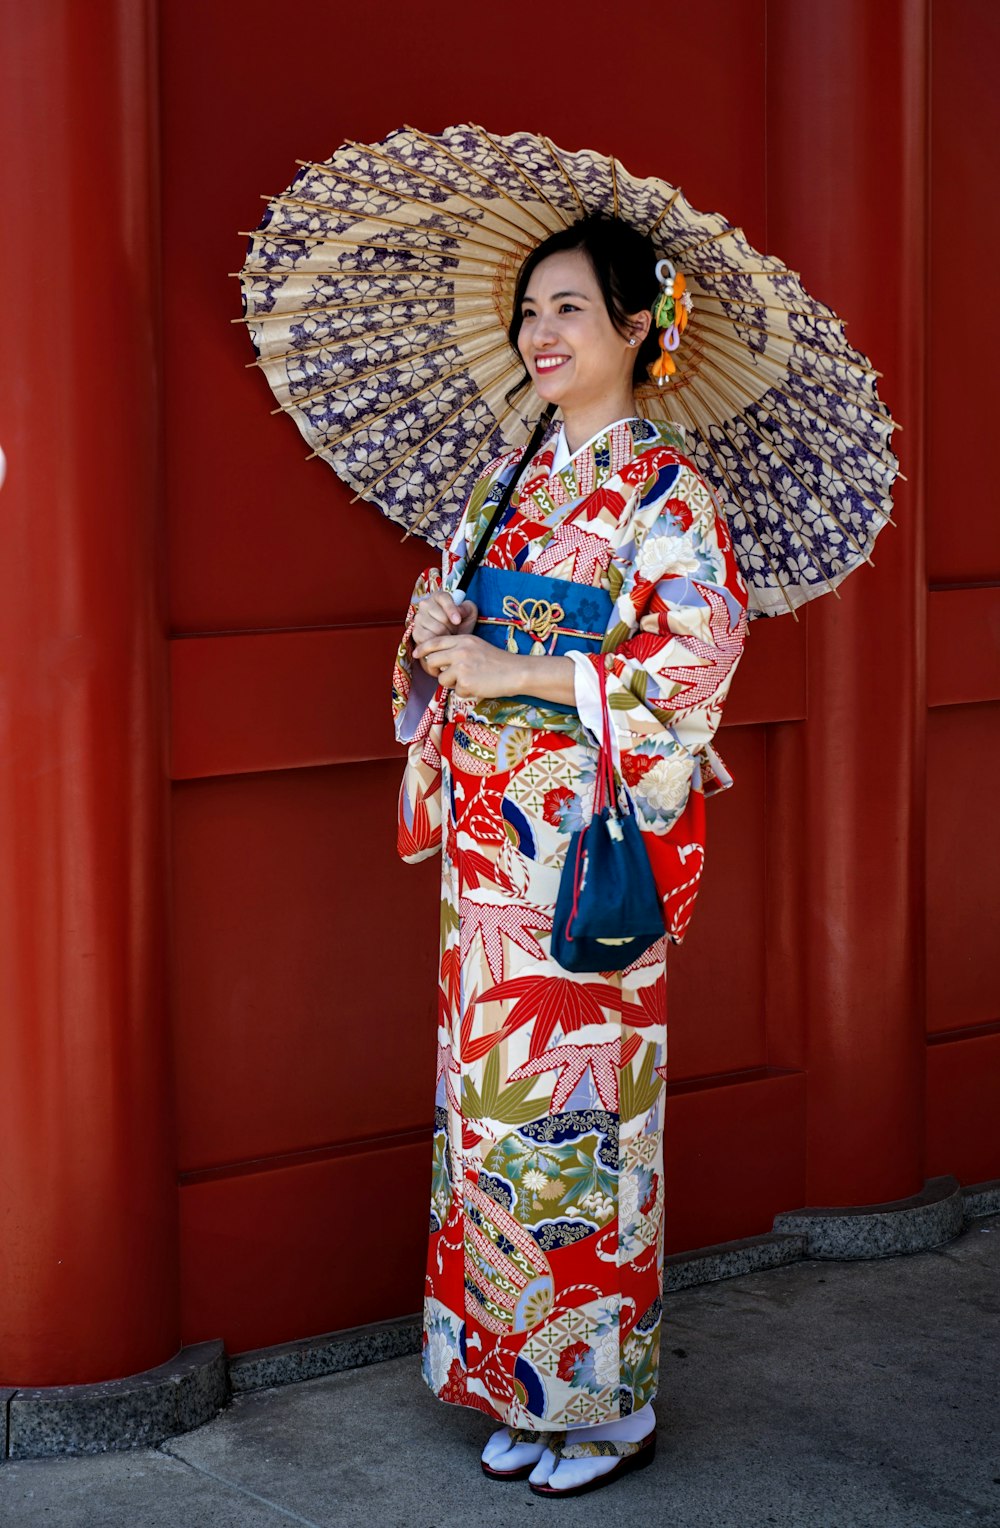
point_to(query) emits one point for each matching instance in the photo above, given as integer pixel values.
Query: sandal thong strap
(529, 1435)
(620, 1447)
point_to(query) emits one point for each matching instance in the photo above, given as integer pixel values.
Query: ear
(639, 325)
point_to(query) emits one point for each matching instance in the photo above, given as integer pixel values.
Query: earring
(631, 342)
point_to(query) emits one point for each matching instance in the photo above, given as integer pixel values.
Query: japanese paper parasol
(378, 289)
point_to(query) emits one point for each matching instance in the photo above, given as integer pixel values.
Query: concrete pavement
(818, 1394)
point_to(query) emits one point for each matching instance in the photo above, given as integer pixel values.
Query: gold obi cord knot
(536, 618)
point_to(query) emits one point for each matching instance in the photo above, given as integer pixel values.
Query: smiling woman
(610, 568)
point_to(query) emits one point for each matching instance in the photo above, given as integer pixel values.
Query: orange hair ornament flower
(670, 315)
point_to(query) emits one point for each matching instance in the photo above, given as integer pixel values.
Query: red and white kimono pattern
(545, 1258)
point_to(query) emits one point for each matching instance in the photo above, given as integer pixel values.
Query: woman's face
(573, 352)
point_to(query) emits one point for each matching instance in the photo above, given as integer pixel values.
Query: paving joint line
(232, 1485)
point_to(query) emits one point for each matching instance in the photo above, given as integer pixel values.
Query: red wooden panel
(280, 975)
(258, 536)
(715, 979)
(963, 1107)
(963, 530)
(770, 683)
(963, 867)
(712, 1195)
(284, 700)
(304, 991)
(273, 1255)
(963, 645)
(267, 1257)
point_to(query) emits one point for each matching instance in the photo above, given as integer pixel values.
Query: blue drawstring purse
(608, 910)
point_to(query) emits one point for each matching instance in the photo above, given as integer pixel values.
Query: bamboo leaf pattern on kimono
(639, 1094)
(511, 1105)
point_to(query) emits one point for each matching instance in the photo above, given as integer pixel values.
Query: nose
(544, 335)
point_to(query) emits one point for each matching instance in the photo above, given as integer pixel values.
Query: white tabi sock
(576, 1472)
(500, 1454)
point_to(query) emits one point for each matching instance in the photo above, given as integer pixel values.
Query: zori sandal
(523, 1435)
(631, 1456)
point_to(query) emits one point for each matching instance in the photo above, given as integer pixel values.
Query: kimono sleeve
(676, 634)
(418, 703)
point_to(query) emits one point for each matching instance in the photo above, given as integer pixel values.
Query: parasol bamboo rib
(520, 170)
(384, 194)
(435, 381)
(747, 510)
(366, 340)
(815, 450)
(801, 402)
(373, 302)
(731, 231)
(414, 201)
(429, 299)
(367, 273)
(844, 397)
(368, 420)
(562, 170)
(352, 244)
(811, 492)
(700, 427)
(666, 208)
(706, 320)
(423, 440)
(775, 386)
(854, 399)
(388, 366)
(702, 434)
(276, 236)
(835, 471)
(706, 295)
(430, 508)
(364, 215)
(708, 333)
(443, 185)
(731, 270)
(475, 170)
(614, 186)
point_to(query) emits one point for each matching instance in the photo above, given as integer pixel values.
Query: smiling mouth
(549, 362)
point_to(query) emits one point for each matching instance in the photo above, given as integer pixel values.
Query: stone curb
(923, 1220)
(137, 1411)
(726, 1260)
(982, 1199)
(330, 1353)
(144, 1409)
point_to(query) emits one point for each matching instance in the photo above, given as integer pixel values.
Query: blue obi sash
(527, 612)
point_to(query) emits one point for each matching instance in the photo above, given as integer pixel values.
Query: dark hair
(624, 262)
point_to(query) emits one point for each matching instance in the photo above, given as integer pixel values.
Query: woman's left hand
(470, 666)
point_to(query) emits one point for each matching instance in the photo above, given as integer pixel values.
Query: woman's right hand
(437, 616)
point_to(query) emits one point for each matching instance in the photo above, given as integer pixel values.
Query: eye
(568, 307)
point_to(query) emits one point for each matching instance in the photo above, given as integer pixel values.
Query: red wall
(305, 1056)
(847, 1045)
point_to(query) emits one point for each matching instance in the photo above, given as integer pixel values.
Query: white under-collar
(562, 457)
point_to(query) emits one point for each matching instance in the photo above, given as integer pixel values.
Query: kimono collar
(590, 467)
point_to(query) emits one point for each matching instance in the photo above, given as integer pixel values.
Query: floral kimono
(545, 1260)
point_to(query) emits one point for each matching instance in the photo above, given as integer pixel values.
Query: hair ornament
(670, 315)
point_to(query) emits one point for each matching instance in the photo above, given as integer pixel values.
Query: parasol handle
(458, 595)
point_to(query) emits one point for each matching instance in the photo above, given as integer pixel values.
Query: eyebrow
(528, 298)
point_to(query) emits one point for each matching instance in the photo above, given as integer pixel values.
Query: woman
(545, 1261)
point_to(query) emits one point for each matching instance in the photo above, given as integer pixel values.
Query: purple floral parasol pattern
(378, 288)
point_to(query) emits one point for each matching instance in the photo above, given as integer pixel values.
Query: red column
(847, 165)
(88, 1254)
